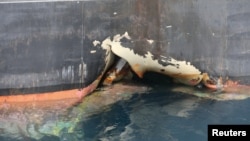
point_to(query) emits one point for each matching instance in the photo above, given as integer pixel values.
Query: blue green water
(164, 116)
(157, 115)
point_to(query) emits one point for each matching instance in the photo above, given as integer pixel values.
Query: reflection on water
(165, 116)
(125, 112)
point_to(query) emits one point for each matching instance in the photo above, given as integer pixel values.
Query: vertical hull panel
(47, 46)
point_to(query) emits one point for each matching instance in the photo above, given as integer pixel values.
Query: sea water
(123, 113)
(164, 116)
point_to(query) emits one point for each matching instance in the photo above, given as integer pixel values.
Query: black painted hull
(48, 46)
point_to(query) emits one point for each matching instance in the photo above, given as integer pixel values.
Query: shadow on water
(164, 115)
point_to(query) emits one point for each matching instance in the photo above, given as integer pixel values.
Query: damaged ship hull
(51, 46)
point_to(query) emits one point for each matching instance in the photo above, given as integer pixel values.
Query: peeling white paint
(106, 44)
(150, 41)
(141, 64)
(72, 73)
(163, 60)
(121, 63)
(80, 70)
(29, 80)
(64, 73)
(68, 73)
(118, 37)
(169, 26)
(93, 51)
(109, 59)
(84, 70)
(95, 43)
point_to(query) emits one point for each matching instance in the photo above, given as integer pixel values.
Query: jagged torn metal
(182, 71)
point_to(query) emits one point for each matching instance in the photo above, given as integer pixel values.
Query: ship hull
(48, 46)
